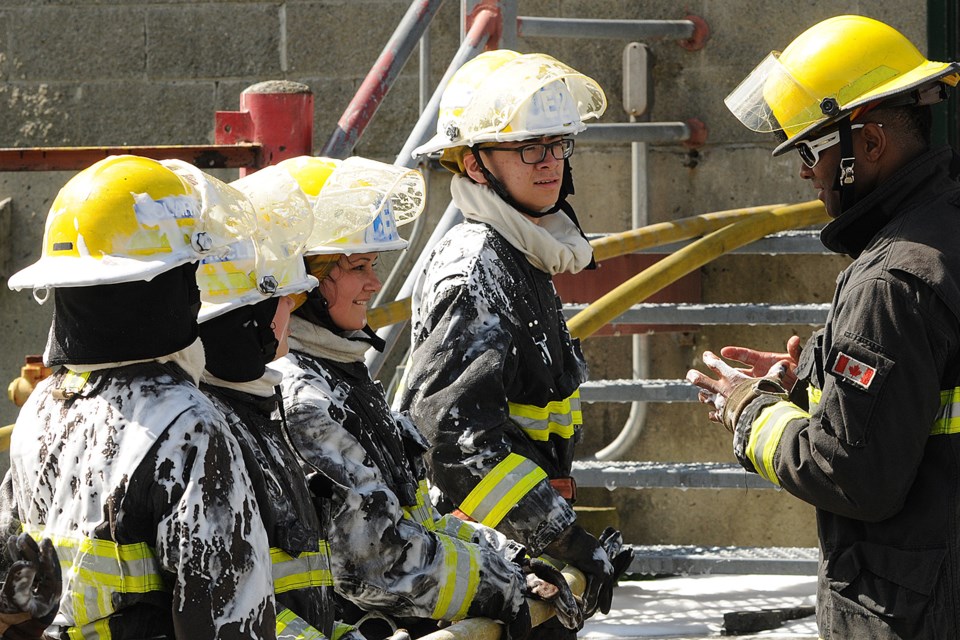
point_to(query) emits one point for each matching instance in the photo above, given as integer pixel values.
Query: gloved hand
(31, 590)
(544, 581)
(734, 389)
(612, 542)
(578, 548)
(519, 627)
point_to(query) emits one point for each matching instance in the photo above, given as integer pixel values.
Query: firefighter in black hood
(863, 422)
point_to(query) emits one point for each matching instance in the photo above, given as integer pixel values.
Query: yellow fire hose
(693, 256)
(487, 629)
(611, 246)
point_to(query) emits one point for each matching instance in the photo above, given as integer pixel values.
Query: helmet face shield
(771, 99)
(267, 262)
(362, 203)
(828, 72)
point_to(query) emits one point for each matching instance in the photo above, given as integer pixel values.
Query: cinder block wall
(144, 72)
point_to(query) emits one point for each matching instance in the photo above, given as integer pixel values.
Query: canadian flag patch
(853, 370)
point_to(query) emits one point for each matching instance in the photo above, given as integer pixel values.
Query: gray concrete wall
(113, 72)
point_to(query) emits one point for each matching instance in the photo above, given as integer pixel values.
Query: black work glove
(31, 590)
(612, 542)
(545, 582)
(578, 548)
(519, 627)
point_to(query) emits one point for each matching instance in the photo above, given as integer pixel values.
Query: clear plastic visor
(357, 191)
(498, 98)
(771, 99)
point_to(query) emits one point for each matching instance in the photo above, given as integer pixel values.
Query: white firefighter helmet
(127, 218)
(268, 262)
(358, 204)
(503, 95)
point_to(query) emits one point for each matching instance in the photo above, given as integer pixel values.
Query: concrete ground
(684, 608)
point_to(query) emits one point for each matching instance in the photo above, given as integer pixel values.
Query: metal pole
(528, 26)
(474, 42)
(391, 333)
(380, 79)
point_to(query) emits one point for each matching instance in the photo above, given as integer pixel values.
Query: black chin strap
(845, 175)
(566, 189)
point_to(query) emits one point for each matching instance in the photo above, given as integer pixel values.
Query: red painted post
(487, 13)
(277, 115)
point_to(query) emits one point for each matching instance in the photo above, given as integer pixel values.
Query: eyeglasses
(810, 149)
(536, 153)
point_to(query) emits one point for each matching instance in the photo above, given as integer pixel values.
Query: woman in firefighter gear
(118, 457)
(861, 423)
(393, 555)
(244, 318)
(494, 375)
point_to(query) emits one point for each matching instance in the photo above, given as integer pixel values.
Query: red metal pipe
(380, 79)
(76, 158)
(487, 14)
(276, 115)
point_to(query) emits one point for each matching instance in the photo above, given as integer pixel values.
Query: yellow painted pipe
(610, 246)
(693, 256)
(487, 629)
(5, 433)
(653, 235)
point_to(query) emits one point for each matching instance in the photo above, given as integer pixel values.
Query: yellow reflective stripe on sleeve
(455, 527)
(766, 433)
(341, 629)
(813, 396)
(290, 626)
(95, 570)
(948, 417)
(501, 489)
(309, 569)
(461, 577)
(560, 417)
(423, 512)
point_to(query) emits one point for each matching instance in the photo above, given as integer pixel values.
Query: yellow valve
(611, 246)
(30, 374)
(693, 256)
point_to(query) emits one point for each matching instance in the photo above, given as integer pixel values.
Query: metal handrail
(380, 78)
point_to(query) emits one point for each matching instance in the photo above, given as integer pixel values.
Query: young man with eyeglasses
(494, 375)
(864, 423)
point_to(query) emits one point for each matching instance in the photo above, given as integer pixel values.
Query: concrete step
(665, 475)
(691, 559)
(655, 390)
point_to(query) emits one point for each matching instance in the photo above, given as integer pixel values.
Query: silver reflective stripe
(309, 569)
(422, 513)
(766, 433)
(501, 489)
(560, 417)
(290, 626)
(462, 575)
(948, 417)
(94, 571)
